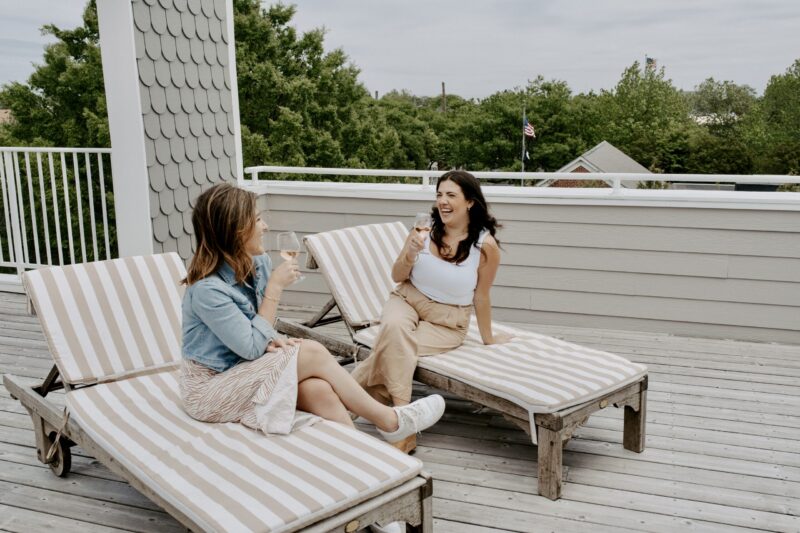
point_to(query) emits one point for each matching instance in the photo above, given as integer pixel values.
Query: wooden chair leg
(426, 510)
(40, 431)
(550, 456)
(427, 517)
(633, 436)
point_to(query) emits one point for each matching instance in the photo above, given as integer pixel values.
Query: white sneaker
(392, 527)
(415, 417)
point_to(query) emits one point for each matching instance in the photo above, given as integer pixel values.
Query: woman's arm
(282, 276)
(490, 261)
(245, 337)
(401, 269)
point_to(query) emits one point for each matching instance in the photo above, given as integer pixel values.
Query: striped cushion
(357, 264)
(108, 319)
(539, 373)
(225, 477)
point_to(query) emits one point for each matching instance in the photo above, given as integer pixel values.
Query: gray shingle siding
(187, 106)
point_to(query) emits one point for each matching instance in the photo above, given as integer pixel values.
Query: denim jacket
(221, 324)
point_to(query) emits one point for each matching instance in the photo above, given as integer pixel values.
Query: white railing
(534, 178)
(57, 206)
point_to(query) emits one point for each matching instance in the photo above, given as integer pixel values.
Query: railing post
(16, 231)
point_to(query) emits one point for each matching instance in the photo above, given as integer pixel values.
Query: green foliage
(726, 133)
(63, 103)
(301, 105)
(721, 104)
(781, 114)
(646, 117)
(299, 99)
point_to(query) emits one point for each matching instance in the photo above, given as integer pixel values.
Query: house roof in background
(605, 157)
(5, 116)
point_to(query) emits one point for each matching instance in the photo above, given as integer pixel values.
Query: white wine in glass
(422, 225)
(289, 245)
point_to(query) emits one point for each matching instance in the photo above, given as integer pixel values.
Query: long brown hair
(224, 218)
(479, 216)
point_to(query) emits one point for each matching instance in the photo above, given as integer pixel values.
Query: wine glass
(422, 225)
(289, 245)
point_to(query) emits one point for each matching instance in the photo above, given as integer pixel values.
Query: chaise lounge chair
(546, 386)
(113, 328)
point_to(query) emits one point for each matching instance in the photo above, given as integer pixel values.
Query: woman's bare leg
(316, 396)
(315, 361)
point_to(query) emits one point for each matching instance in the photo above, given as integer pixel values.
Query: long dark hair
(479, 216)
(223, 219)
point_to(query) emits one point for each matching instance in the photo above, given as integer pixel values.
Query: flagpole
(523, 138)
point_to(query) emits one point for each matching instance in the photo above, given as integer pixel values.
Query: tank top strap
(481, 237)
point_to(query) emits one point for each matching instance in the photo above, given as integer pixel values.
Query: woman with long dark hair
(443, 275)
(236, 368)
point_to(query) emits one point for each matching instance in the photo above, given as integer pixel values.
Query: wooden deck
(723, 450)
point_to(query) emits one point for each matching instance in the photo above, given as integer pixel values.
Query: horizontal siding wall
(702, 271)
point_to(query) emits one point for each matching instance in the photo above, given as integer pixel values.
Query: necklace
(446, 248)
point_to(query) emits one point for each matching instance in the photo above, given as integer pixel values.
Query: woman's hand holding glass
(422, 228)
(414, 244)
(289, 245)
(284, 275)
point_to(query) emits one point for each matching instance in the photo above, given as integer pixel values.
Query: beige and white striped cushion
(107, 319)
(357, 264)
(539, 373)
(226, 477)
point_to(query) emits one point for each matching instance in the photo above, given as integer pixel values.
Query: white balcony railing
(616, 180)
(57, 206)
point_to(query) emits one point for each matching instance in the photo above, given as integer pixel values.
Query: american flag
(527, 128)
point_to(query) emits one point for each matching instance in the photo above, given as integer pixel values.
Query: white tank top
(445, 282)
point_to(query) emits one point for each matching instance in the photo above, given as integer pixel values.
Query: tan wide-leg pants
(412, 325)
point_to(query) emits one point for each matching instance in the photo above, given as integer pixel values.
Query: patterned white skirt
(261, 394)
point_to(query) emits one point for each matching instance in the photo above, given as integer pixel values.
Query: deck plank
(22, 520)
(723, 449)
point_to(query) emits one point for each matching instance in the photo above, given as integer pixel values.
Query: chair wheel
(62, 460)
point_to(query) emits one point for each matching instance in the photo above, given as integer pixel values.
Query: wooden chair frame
(410, 502)
(553, 430)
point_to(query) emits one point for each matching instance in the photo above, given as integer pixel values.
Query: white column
(234, 94)
(128, 158)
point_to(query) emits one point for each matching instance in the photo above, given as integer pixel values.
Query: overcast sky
(478, 47)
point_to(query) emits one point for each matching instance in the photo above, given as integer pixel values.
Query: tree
(300, 105)
(292, 95)
(724, 139)
(781, 113)
(721, 104)
(63, 103)
(411, 117)
(557, 117)
(646, 117)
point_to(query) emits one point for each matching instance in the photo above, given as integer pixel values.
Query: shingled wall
(187, 108)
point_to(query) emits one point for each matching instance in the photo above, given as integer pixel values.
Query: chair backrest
(109, 319)
(357, 264)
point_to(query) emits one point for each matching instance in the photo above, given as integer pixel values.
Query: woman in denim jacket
(236, 368)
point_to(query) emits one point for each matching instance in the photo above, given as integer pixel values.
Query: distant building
(605, 157)
(5, 116)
